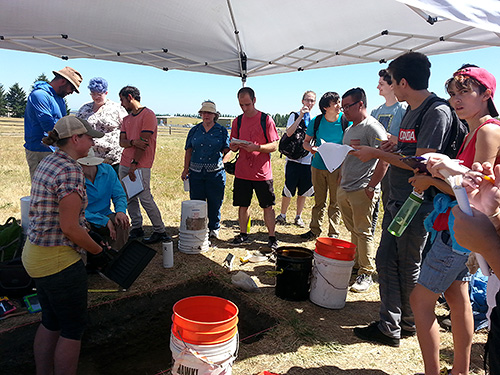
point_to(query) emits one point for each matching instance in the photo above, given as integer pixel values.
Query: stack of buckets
(333, 262)
(204, 337)
(193, 233)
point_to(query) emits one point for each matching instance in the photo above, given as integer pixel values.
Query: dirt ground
(296, 337)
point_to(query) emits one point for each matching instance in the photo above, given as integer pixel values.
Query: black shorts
(243, 191)
(297, 178)
(63, 298)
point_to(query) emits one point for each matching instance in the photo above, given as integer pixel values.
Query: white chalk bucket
(214, 359)
(193, 242)
(193, 215)
(25, 209)
(193, 232)
(330, 281)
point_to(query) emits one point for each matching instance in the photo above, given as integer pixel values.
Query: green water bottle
(406, 213)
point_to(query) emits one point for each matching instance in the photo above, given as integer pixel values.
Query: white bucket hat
(90, 159)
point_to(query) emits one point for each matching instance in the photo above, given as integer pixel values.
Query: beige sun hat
(208, 106)
(90, 159)
(72, 125)
(71, 75)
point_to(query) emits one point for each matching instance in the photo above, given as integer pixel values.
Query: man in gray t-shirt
(359, 187)
(398, 258)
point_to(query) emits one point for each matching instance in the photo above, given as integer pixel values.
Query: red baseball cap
(486, 79)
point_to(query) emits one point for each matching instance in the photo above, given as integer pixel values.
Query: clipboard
(132, 188)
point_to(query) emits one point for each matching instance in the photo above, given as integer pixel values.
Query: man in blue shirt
(103, 187)
(44, 107)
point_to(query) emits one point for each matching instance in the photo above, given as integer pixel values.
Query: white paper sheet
(333, 154)
(133, 187)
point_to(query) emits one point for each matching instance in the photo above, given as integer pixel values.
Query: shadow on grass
(333, 370)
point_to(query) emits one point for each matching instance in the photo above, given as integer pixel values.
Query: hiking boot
(373, 334)
(136, 233)
(308, 235)
(239, 239)
(299, 222)
(362, 284)
(281, 219)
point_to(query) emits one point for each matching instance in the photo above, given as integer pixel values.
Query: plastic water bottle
(406, 213)
(249, 224)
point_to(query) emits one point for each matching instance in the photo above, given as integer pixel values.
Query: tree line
(13, 101)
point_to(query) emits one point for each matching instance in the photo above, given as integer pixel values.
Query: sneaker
(157, 237)
(362, 284)
(444, 371)
(239, 239)
(308, 235)
(405, 333)
(214, 233)
(333, 236)
(281, 219)
(136, 233)
(272, 243)
(373, 334)
(299, 222)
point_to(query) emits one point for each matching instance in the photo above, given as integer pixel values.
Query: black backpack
(317, 120)
(263, 118)
(292, 146)
(458, 130)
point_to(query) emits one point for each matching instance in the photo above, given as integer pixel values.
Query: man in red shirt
(253, 167)
(138, 137)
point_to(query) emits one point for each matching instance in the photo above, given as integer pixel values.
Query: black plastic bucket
(294, 265)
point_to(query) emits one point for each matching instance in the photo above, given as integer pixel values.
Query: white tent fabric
(247, 38)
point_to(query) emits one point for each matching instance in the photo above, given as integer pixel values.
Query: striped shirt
(57, 176)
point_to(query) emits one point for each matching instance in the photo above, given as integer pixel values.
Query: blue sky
(182, 92)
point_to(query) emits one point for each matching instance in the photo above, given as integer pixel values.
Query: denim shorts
(63, 298)
(442, 266)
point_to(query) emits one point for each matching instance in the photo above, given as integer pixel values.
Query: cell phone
(416, 162)
(32, 303)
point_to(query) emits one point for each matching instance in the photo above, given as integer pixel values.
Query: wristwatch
(371, 189)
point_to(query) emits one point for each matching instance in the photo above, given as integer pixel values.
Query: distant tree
(41, 77)
(280, 120)
(3, 102)
(16, 98)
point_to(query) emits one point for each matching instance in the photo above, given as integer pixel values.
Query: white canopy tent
(247, 38)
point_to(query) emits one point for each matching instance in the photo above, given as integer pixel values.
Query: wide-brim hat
(208, 107)
(71, 75)
(486, 79)
(90, 159)
(72, 125)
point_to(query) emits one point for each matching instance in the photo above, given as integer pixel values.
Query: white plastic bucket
(330, 281)
(25, 209)
(193, 215)
(214, 359)
(193, 242)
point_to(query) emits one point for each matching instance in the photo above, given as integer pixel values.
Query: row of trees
(13, 101)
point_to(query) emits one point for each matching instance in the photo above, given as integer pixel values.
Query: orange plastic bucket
(205, 320)
(334, 248)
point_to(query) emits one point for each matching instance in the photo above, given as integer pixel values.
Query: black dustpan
(129, 263)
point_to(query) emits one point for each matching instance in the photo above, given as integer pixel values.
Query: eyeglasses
(347, 106)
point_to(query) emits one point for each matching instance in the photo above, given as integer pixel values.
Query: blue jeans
(398, 265)
(209, 187)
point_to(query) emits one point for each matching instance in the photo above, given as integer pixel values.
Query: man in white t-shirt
(298, 171)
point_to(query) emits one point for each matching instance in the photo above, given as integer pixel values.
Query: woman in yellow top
(57, 237)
